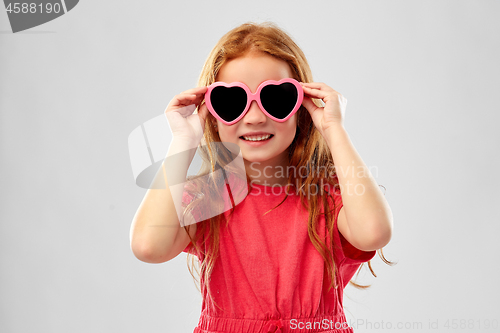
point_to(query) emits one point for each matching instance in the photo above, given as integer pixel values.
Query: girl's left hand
(330, 116)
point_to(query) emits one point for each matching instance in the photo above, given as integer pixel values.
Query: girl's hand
(330, 116)
(183, 123)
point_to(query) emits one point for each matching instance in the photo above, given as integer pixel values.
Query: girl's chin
(255, 159)
(260, 158)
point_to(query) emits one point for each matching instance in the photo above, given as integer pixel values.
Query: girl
(313, 213)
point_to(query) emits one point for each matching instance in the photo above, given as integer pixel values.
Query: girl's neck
(272, 172)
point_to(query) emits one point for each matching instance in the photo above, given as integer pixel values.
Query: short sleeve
(347, 250)
(186, 199)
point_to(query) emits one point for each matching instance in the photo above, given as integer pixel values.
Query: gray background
(422, 83)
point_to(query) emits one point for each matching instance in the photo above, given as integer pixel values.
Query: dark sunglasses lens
(229, 103)
(279, 100)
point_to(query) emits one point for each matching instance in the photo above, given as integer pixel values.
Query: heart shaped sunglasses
(279, 100)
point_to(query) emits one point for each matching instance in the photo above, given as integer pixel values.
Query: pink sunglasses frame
(254, 97)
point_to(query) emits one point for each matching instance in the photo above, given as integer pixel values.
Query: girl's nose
(254, 114)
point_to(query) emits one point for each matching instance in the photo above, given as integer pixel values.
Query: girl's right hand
(183, 123)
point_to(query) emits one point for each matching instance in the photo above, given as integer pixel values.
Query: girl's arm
(365, 219)
(156, 235)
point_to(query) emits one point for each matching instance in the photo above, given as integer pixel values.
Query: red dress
(269, 276)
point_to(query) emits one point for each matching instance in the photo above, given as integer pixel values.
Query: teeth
(257, 138)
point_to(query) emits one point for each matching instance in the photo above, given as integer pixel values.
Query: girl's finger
(192, 96)
(309, 105)
(315, 92)
(317, 85)
(197, 90)
(183, 99)
(187, 96)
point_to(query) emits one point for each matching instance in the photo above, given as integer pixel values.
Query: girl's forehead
(254, 69)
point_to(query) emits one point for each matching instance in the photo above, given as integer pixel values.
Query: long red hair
(308, 149)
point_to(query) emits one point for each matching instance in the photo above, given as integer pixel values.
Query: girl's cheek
(231, 133)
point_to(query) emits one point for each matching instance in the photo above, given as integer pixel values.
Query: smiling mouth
(256, 140)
